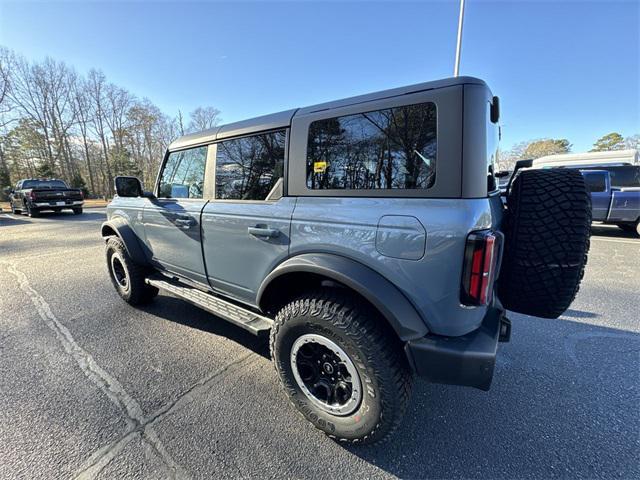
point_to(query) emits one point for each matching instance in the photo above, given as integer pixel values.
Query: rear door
(172, 220)
(596, 181)
(246, 226)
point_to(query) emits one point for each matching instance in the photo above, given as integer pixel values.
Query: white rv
(611, 158)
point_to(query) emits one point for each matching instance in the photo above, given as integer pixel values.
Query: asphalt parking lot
(93, 388)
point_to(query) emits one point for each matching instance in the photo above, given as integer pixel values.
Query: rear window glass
(44, 184)
(394, 148)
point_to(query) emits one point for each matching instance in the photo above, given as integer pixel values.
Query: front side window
(249, 168)
(183, 174)
(394, 148)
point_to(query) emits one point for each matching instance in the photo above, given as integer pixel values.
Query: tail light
(81, 195)
(32, 195)
(480, 264)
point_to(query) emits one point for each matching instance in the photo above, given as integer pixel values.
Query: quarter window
(394, 148)
(249, 168)
(183, 174)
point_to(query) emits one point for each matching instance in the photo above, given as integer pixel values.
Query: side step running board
(231, 312)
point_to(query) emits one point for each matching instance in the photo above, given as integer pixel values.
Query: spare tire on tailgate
(546, 229)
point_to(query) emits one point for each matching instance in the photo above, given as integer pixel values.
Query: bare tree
(54, 121)
(203, 118)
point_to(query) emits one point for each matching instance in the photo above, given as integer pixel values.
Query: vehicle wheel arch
(120, 228)
(309, 271)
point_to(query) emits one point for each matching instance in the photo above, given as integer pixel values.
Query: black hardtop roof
(283, 119)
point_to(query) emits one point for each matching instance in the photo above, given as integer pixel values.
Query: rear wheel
(33, 212)
(127, 277)
(340, 367)
(547, 230)
(77, 211)
(14, 209)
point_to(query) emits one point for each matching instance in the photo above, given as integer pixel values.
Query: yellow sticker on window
(319, 167)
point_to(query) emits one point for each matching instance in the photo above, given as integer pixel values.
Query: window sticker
(319, 167)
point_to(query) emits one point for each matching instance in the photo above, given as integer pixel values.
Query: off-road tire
(547, 230)
(77, 211)
(360, 332)
(136, 291)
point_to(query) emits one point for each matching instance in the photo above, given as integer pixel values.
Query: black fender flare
(394, 306)
(123, 230)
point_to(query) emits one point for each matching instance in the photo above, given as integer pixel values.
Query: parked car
(611, 205)
(32, 195)
(367, 235)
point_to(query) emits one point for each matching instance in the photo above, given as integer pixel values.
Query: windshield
(44, 184)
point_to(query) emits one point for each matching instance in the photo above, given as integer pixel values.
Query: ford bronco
(367, 235)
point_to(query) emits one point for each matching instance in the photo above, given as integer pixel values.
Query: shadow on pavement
(179, 311)
(564, 402)
(10, 220)
(611, 231)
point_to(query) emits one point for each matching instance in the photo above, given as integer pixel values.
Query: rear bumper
(467, 360)
(54, 204)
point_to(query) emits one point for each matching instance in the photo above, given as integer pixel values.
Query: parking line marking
(110, 386)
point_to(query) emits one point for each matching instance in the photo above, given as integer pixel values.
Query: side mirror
(128, 187)
(495, 110)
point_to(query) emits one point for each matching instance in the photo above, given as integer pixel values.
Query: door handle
(185, 222)
(263, 232)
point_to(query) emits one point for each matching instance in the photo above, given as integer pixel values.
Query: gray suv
(367, 235)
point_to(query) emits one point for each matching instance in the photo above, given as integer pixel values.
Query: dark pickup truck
(33, 195)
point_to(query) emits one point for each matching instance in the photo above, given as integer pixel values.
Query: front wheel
(127, 277)
(341, 366)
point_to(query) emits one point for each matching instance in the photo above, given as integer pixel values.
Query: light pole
(456, 68)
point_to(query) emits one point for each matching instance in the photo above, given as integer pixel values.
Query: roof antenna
(456, 68)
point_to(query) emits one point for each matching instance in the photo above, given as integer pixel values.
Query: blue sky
(563, 69)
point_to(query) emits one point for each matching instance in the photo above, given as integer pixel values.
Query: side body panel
(625, 205)
(350, 227)
(237, 260)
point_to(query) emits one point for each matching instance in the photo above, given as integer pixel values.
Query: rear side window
(394, 148)
(183, 174)
(595, 182)
(249, 168)
(625, 176)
